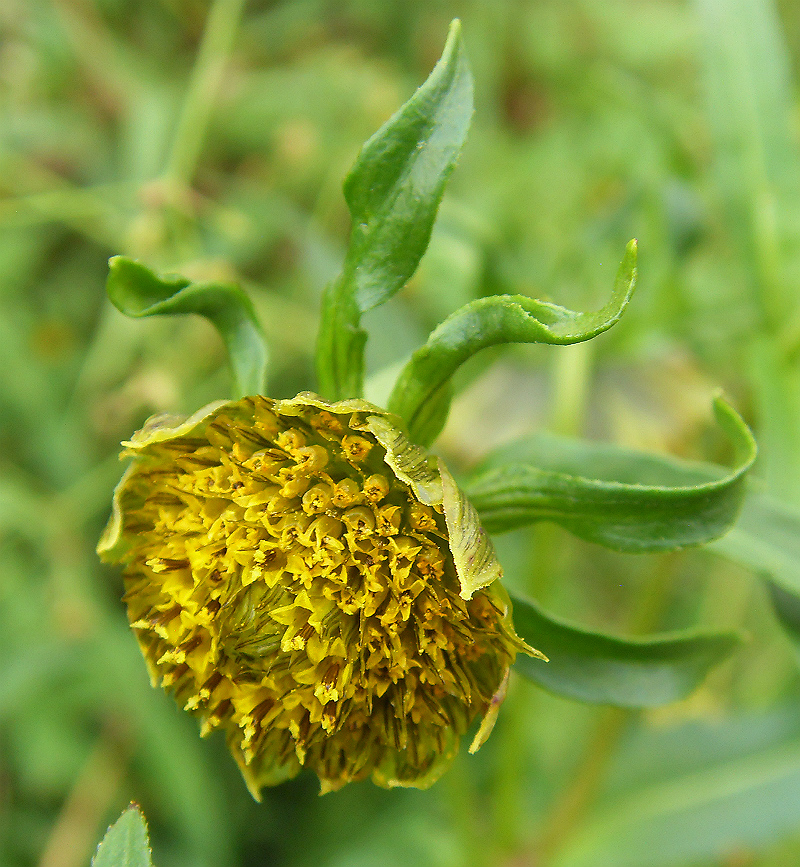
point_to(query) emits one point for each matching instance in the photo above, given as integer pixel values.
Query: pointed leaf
(125, 843)
(599, 668)
(621, 498)
(393, 192)
(423, 391)
(137, 291)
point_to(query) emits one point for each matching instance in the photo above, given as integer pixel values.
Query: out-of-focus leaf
(751, 102)
(751, 105)
(174, 761)
(125, 843)
(767, 539)
(393, 192)
(607, 669)
(423, 392)
(698, 817)
(621, 498)
(137, 291)
(787, 609)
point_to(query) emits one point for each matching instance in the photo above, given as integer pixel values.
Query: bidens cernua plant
(305, 576)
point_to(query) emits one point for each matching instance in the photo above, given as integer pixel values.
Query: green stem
(569, 809)
(220, 31)
(463, 802)
(579, 794)
(571, 377)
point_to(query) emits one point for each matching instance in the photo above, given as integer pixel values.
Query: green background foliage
(211, 140)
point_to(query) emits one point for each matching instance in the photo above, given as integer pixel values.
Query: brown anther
(161, 618)
(172, 676)
(191, 644)
(212, 606)
(210, 685)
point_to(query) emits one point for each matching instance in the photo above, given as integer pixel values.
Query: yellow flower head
(305, 579)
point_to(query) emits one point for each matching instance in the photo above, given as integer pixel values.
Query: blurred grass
(674, 122)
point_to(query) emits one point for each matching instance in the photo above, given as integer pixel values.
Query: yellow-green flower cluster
(302, 577)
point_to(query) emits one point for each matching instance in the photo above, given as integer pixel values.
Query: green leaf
(621, 498)
(607, 669)
(725, 804)
(751, 102)
(423, 392)
(787, 609)
(767, 539)
(393, 192)
(125, 843)
(137, 291)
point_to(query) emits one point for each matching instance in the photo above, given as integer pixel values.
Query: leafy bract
(620, 498)
(423, 392)
(600, 668)
(393, 192)
(137, 291)
(125, 843)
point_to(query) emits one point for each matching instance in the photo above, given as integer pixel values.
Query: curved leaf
(125, 843)
(137, 291)
(423, 391)
(393, 192)
(621, 498)
(607, 669)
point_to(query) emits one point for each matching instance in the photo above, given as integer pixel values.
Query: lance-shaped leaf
(621, 498)
(607, 669)
(137, 291)
(393, 192)
(423, 392)
(125, 843)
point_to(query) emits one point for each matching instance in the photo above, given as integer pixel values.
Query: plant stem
(578, 795)
(220, 31)
(571, 378)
